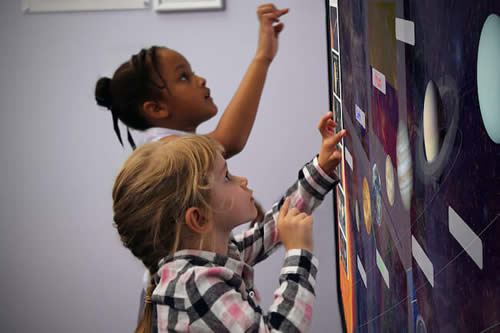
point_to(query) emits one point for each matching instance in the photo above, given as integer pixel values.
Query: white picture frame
(185, 5)
(47, 6)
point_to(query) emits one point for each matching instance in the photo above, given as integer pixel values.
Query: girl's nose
(202, 81)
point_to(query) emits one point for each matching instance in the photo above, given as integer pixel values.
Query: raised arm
(315, 180)
(237, 121)
(305, 195)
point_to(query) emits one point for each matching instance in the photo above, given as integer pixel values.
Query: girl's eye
(228, 176)
(184, 76)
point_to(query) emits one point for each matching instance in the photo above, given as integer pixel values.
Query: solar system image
(416, 83)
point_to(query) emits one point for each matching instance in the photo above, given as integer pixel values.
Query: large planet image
(431, 128)
(405, 167)
(367, 211)
(377, 194)
(488, 76)
(448, 100)
(389, 180)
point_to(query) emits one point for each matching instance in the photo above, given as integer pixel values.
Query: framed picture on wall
(178, 5)
(42, 6)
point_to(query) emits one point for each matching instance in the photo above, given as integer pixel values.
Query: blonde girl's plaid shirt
(200, 291)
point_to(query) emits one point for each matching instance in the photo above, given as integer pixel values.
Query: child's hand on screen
(329, 156)
(295, 228)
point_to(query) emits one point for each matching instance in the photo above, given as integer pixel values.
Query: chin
(254, 216)
(210, 114)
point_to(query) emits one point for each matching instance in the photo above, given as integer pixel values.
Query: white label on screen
(405, 31)
(467, 238)
(422, 260)
(348, 158)
(361, 271)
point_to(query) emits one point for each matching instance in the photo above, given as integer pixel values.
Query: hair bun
(103, 92)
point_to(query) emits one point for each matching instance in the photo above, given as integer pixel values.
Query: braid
(134, 82)
(154, 62)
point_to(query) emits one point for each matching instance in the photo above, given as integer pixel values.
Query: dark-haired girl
(157, 92)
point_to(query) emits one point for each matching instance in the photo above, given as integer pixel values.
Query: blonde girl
(175, 204)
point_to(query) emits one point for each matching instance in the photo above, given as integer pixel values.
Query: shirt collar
(157, 133)
(232, 261)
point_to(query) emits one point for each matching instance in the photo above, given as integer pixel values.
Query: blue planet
(488, 76)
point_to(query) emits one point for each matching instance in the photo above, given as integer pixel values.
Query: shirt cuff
(322, 172)
(300, 262)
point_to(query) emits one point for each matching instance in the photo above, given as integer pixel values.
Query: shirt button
(251, 294)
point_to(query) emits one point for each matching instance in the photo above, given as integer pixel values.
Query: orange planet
(367, 211)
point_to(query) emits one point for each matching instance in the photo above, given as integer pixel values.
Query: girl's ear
(155, 110)
(196, 221)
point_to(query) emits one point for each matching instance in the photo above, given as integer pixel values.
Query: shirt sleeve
(306, 194)
(219, 307)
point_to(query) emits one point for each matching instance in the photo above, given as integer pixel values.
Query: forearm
(306, 194)
(259, 242)
(312, 186)
(294, 299)
(237, 121)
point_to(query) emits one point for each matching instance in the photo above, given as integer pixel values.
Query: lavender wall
(63, 267)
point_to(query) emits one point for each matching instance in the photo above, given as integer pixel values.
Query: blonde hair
(151, 194)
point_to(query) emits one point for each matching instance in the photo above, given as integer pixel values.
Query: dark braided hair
(133, 83)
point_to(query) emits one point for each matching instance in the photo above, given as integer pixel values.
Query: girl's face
(187, 98)
(231, 199)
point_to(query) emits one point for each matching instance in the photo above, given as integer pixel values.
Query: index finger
(283, 11)
(334, 140)
(284, 208)
(270, 8)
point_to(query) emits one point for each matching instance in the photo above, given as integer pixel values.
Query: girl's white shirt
(155, 134)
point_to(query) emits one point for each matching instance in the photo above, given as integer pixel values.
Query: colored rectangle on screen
(378, 80)
(360, 116)
(383, 269)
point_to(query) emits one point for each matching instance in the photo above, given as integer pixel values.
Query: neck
(167, 123)
(218, 245)
(221, 241)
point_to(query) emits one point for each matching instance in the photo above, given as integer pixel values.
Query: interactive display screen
(416, 83)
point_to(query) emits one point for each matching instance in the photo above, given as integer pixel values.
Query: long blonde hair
(151, 194)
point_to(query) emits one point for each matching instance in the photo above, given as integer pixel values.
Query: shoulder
(189, 270)
(169, 138)
(179, 282)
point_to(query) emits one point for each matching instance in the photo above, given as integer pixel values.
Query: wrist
(299, 248)
(262, 59)
(326, 166)
(300, 262)
(331, 178)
